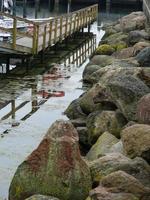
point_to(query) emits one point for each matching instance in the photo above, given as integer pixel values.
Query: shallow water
(40, 99)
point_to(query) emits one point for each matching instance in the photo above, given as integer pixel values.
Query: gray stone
(136, 141)
(126, 91)
(112, 162)
(99, 122)
(41, 197)
(101, 193)
(137, 36)
(144, 57)
(74, 110)
(102, 146)
(89, 69)
(120, 181)
(133, 21)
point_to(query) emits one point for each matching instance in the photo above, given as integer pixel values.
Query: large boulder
(143, 110)
(133, 21)
(140, 46)
(136, 141)
(102, 146)
(55, 168)
(101, 60)
(112, 162)
(74, 110)
(99, 122)
(122, 67)
(125, 53)
(105, 49)
(117, 41)
(126, 90)
(131, 51)
(137, 36)
(88, 70)
(102, 193)
(120, 181)
(144, 57)
(41, 197)
(117, 148)
(88, 102)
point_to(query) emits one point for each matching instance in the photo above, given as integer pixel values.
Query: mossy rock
(105, 49)
(119, 46)
(55, 168)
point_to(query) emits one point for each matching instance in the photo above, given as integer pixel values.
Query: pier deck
(40, 35)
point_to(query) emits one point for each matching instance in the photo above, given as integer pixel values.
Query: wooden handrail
(18, 18)
(50, 31)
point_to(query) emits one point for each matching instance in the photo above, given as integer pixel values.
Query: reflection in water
(38, 101)
(41, 88)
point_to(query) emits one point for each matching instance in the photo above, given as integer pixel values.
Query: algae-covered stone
(74, 110)
(105, 49)
(116, 39)
(136, 141)
(117, 148)
(99, 122)
(133, 21)
(126, 90)
(123, 182)
(122, 67)
(144, 57)
(96, 99)
(102, 146)
(120, 45)
(112, 162)
(89, 69)
(103, 193)
(41, 197)
(102, 60)
(55, 168)
(125, 53)
(137, 36)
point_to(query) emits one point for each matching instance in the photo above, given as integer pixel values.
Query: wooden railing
(49, 32)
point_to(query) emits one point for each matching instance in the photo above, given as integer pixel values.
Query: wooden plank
(14, 33)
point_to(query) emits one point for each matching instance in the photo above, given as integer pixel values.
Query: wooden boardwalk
(40, 35)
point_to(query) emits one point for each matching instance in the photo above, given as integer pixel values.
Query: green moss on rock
(105, 49)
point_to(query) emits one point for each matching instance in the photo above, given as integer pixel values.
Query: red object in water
(46, 94)
(51, 76)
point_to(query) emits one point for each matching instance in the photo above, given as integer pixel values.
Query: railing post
(61, 25)
(74, 26)
(50, 32)
(70, 27)
(34, 41)
(55, 30)
(37, 37)
(44, 37)
(78, 18)
(66, 27)
(14, 33)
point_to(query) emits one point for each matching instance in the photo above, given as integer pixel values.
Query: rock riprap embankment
(110, 123)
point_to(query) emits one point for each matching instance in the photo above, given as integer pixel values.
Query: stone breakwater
(103, 151)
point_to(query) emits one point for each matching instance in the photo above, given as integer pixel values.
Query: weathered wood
(14, 33)
(47, 33)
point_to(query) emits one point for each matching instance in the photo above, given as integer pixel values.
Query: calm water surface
(40, 100)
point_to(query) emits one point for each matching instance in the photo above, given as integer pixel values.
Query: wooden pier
(41, 35)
